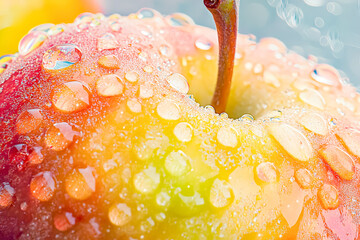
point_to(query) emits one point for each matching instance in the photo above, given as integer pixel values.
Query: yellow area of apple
(17, 17)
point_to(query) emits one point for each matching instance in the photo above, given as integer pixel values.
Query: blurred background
(326, 29)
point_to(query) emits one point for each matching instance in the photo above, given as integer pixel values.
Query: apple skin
(282, 170)
(18, 17)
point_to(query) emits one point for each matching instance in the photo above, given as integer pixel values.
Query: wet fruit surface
(105, 134)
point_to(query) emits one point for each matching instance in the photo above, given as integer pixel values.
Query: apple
(107, 133)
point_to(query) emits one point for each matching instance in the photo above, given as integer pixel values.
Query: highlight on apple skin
(106, 133)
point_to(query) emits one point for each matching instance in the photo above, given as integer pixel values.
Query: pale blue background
(327, 29)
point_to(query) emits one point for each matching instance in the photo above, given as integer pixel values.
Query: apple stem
(225, 14)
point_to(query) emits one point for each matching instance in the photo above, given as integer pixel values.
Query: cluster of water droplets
(86, 20)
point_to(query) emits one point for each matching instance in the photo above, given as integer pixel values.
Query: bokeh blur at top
(327, 29)
(17, 17)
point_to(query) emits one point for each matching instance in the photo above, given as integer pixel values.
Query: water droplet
(178, 82)
(146, 91)
(294, 16)
(326, 74)
(247, 118)
(168, 110)
(304, 178)
(329, 196)
(6, 195)
(271, 79)
(42, 27)
(183, 132)
(114, 17)
(163, 199)
(313, 98)
(221, 194)
(132, 76)
(314, 122)
(147, 180)
(61, 56)
(266, 172)
(143, 56)
(116, 26)
(319, 22)
(177, 163)
(147, 225)
(31, 41)
(134, 105)
(227, 136)
(80, 183)
(84, 18)
(273, 44)
(339, 161)
(350, 138)
(281, 9)
(223, 115)
(180, 19)
(4, 61)
(59, 136)
(165, 50)
(303, 84)
(71, 97)
(160, 217)
(119, 214)
(292, 203)
(42, 186)
(248, 66)
(203, 43)
(345, 103)
(145, 13)
(55, 30)
(36, 156)
(188, 202)
(28, 121)
(258, 68)
(107, 42)
(315, 3)
(19, 155)
(109, 62)
(209, 109)
(23, 206)
(334, 8)
(64, 221)
(109, 85)
(148, 69)
(292, 140)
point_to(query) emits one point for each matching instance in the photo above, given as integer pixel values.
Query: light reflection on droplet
(294, 16)
(146, 13)
(334, 8)
(203, 44)
(61, 56)
(319, 22)
(31, 41)
(43, 27)
(180, 19)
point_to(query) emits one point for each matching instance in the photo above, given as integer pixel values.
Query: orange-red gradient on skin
(100, 138)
